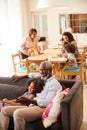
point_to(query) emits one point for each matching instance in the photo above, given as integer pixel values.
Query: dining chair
(85, 52)
(33, 65)
(80, 71)
(60, 45)
(81, 50)
(31, 52)
(20, 66)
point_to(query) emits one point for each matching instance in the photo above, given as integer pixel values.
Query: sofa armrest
(67, 83)
(72, 107)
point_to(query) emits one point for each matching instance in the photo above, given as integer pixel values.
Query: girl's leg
(6, 113)
(26, 114)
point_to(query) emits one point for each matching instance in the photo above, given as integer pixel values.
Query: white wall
(74, 6)
(82, 39)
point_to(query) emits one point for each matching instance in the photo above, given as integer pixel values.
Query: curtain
(10, 31)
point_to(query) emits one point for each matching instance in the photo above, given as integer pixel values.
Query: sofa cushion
(37, 125)
(65, 92)
(52, 113)
(11, 91)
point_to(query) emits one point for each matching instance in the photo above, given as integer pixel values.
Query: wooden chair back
(33, 65)
(85, 52)
(19, 65)
(60, 46)
(81, 50)
(80, 71)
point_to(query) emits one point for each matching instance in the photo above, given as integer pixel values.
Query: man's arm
(33, 102)
(24, 100)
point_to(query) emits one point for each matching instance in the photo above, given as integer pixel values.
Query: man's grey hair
(47, 64)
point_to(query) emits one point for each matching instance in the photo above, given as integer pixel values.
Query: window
(10, 32)
(62, 23)
(78, 22)
(40, 23)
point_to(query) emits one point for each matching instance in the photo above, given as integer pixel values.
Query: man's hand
(26, 101)
(23, 100)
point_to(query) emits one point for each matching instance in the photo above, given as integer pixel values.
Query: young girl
(34, 87)
(69, 54)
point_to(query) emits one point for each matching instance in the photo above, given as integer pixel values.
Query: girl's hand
(23, 100)
(40, 53)
(5, 100)
(64, 55)
(71, 61)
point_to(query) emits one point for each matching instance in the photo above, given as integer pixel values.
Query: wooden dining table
(50, 55)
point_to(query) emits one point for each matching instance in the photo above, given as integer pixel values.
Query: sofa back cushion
(67, 83)
(11, 91)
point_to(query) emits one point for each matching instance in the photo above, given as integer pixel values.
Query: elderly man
(21, 114)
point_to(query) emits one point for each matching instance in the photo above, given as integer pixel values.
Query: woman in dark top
(67, 38)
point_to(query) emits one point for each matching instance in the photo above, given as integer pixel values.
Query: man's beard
(45, 77)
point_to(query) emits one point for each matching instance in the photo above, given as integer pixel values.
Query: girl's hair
(32, 30)
(39, 83)
(69, 35)
(70, 48)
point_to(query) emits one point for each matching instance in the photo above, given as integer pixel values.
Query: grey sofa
(72, 104)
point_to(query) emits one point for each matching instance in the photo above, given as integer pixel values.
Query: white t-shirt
(72, 57)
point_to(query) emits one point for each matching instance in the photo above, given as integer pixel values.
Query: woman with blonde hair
(30, 43)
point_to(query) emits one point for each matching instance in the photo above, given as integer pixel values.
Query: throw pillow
(52, 113)
(65, 92)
